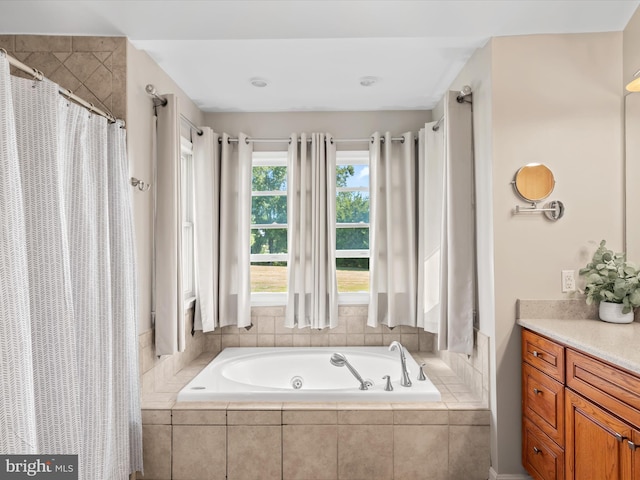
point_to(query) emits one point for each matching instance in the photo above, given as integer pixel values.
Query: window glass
(269, 222)
(352, 221)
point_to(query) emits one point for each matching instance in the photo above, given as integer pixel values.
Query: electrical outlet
(568, 281)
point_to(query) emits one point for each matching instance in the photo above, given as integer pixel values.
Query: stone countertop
(618, 344)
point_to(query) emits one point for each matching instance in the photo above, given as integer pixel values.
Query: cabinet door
(634, 446)
(596, 443)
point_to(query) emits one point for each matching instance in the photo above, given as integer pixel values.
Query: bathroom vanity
(580, 399)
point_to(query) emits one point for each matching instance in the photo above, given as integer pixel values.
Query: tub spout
(405, 381)
(339, 360)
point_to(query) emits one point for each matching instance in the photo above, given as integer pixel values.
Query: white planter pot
(612, 312)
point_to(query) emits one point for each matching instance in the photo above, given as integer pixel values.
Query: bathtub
(290, 374)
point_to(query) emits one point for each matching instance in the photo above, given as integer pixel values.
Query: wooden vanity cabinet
(581, 415)
(542, 407)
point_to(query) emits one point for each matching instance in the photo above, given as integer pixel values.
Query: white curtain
(235, 231)
(312, 299)
(168, 294)
(450, 296)
(69, 345)
(393, 233)
(206, 173)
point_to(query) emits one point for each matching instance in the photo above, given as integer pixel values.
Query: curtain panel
(235, 231)
(312, 299)
(448, 260)
(393, 245)
(206, 173)
(168, 294)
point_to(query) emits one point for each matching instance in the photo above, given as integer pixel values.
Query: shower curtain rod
(38, 75)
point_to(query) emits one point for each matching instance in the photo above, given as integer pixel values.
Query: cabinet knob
(536, 450)
(537, 392)
(536, 353)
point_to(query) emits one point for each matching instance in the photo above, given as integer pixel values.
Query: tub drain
(296, 382)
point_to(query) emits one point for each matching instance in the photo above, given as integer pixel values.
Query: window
(269, 223)
(352, 224)
(188, 248)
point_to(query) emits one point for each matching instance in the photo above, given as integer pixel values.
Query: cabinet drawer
(543, 354)
(543, 459)
(613, 389)
(543, 402)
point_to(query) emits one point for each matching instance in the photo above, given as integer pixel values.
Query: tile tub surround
(447, 440)
(94, 68)
(472, 369)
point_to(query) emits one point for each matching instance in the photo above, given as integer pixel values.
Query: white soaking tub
(305, 374)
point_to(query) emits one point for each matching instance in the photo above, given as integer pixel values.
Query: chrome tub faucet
(404, 379)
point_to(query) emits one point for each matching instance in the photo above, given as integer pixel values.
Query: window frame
(187, 218)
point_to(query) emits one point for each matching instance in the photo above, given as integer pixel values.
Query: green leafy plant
(610, 278)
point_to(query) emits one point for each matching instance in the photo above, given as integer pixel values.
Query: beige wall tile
(96, 44)
(337, 339)
(469, 417)
(319, 340)
(254, 453)
(421, 452)
(365, 452)
(254, 417)
(355, 339)
(268, 340)
(302, 340)
(421, 417)
(355, 324)
(469, 452)
(365, 417)
(8, 42)
(309, 417)
(310, 452)
(373, 339)
(229, 341)
(283, 340)
(199, 453)
(266, 325)
(42, 43)
(247, 340)
(156, 417)
(410, 341)
(199, 417)
(156, 451)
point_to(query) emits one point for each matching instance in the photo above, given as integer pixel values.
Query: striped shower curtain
(68, 343)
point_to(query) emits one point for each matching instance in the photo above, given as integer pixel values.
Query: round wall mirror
(534, 182)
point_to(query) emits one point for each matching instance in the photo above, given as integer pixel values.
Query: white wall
(142, 70)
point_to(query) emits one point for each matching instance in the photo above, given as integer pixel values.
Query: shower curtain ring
(246, 140)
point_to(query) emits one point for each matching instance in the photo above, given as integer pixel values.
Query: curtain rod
(333, 140)
(436, 127)
(161, 101)
(38, 75)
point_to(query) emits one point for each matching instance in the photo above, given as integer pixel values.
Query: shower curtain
(68, 343)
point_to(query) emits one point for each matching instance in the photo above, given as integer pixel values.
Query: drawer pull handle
(536, 353)
(537, 392)
(632, 445)
(536, 450)
(619, 437)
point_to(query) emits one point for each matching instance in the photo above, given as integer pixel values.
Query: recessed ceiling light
(259, 82)
(368, 81)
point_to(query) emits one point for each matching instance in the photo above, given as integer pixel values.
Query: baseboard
(507, 476)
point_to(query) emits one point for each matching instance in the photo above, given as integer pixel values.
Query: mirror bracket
(553, 210)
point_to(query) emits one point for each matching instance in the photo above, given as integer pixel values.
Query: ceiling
(312, 53)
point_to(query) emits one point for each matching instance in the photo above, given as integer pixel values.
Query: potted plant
(613, 282)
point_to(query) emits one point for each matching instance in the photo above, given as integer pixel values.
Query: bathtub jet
(339, 360)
